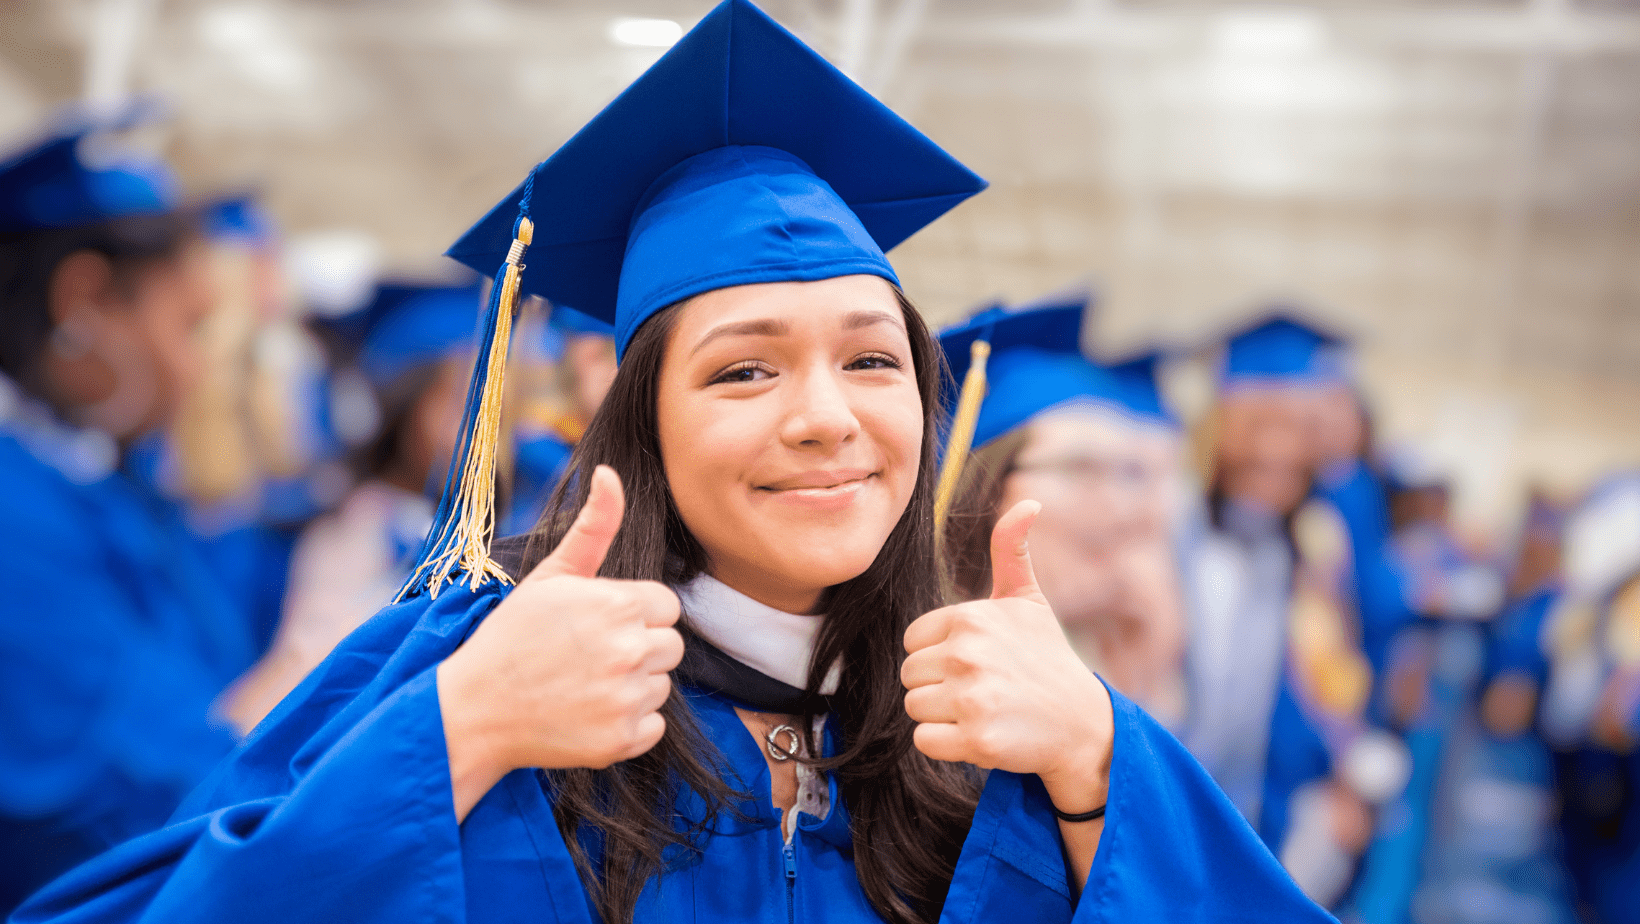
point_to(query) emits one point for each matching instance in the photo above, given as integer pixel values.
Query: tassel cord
(465, 523)
(962, 433)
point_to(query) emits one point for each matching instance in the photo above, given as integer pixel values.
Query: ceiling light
(1274, 31)
(645, 33)
(254, 38)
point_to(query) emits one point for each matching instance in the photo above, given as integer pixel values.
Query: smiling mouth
(839, 488)
(835, 490)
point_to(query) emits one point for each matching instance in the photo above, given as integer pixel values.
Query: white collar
(83, 455)
(771, 641)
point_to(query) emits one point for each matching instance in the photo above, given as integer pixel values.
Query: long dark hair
(975, 511)
(909, 814)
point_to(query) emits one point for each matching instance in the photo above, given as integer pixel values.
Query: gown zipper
(790, 855)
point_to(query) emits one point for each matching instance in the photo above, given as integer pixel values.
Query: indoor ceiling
(1456, 183)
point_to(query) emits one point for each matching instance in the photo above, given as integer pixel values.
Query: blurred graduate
(117, 636)
(1097, 449)
(568, 749)
(575, 355)
(1498, 857)
(415, 345)
(1279, 685)
(1352, 481)
(232, 435)
(1590, 698)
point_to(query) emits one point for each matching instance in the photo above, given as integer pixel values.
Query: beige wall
(1455, 183)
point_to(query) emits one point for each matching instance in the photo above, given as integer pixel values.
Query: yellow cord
(962, 432)
(473, 520)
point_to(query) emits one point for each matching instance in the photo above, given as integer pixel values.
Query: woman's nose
(820, 415)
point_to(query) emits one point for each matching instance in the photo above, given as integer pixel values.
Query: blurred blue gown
(540, 460)
(115, 638)
(339, 808)
(1359, 496)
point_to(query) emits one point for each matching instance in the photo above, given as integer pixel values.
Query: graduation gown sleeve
(1173, 849)
(338, 807)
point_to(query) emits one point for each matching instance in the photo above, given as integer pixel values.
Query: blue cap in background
(572, 323)
(740, 157)
(238, 219)
(1036, 363)
(1283, 348)
(411, 325)
(77, 175)
(1141, 392)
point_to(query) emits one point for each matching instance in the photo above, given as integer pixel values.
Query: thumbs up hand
(569, 671)
(994, 683)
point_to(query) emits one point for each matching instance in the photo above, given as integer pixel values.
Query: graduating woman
(478, 753)
(116, 635)
(414, 349)
(1093, 445)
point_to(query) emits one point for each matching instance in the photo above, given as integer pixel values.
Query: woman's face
(1340, 429)
(171, 302)
(791, 431)
(591, 359)
(1098, 482)
(139, 349)
(1266, 448)
(434, 425)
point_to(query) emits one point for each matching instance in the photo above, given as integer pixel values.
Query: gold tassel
(473, 519)
(962, 432)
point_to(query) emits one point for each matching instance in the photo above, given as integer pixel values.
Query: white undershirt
(771, 641)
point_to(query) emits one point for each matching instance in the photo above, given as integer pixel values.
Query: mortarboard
(238, 219)
(572, 323)
(1141, 393)
(740, 157)
(1284, 348)
(414, 324)
(75, 176)
(1015, 364)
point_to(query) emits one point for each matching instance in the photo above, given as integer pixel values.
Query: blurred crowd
(221, 450)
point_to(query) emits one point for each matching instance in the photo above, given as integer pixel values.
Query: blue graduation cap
(560, 325)
(1141, 394)
(74, 177)
(1284, 348)
(1015, 364)
(572, 323)
(238, 219)
(414, 324)
(1034, 362)
(740, 157)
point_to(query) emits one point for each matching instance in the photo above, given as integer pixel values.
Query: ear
(83, 279)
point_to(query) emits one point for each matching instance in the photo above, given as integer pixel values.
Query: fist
(994, 682)
(571, 669)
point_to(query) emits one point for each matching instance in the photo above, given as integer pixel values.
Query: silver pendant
(776, 751)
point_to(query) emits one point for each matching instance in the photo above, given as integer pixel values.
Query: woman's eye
(875, 361)
(742, 372)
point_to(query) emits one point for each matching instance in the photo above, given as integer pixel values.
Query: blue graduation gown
(1297, 756)
(538, 463)
(1515, 637)
(1360, 498)
(339, 808)
(114, 640)
(249, 555)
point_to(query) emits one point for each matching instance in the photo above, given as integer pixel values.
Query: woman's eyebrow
(767, 327)
(855, 320)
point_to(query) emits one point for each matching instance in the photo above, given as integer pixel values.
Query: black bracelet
(1084, 816)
